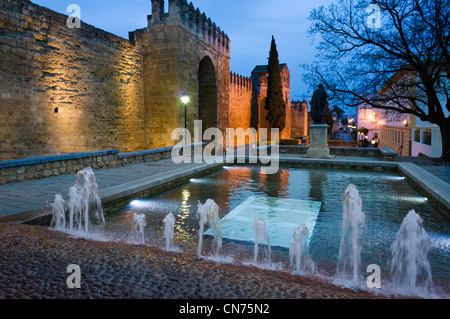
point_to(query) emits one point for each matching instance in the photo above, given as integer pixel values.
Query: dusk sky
(249, 24)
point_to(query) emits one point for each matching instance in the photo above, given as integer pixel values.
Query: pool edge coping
(434, 187)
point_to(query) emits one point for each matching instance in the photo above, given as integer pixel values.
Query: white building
(426, 139)
(403, 133)
(369, 118)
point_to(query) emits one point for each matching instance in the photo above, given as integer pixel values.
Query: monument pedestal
(319, 142)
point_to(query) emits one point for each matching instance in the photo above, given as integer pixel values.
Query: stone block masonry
(184, 51)
(240, 101)
(260, 82)
(40, 167)
(65, 90)
(299, 122)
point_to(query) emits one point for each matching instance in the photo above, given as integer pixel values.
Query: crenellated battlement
(184, 14)
(241, 81)
(299, 104)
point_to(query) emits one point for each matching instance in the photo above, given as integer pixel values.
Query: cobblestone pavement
(34, 261)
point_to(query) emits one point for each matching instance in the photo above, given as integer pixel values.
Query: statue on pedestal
(319, 102)
(319, 130)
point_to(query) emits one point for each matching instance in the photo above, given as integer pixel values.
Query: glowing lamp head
(185, 98)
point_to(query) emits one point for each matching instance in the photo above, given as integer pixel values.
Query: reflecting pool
(386, 200)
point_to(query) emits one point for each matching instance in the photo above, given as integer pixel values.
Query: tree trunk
(444, 125)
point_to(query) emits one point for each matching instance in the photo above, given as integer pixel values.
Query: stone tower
(184, 51)
(300, 121)
(259, 78)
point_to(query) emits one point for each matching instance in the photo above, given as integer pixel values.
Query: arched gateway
(207, 93)
(183, 52)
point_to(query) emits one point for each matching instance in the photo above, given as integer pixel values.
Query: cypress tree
(275, 104)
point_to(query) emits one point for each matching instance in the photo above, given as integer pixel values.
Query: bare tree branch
(403, 66)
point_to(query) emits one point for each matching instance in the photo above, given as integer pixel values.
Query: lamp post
(185, 100)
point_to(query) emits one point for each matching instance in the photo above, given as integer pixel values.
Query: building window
(416, 136)
(427, 137)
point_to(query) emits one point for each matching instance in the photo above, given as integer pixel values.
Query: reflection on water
(317, 182)
(386, 198)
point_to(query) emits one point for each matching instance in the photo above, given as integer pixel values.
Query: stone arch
(207, 93)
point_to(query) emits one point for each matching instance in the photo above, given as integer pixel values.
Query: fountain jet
(209, 215)
(261, 235)
(137, 229)
(300, 259)
(409, 262)
(58, 213)
(84, 205)
(350, 248)
(169, 225)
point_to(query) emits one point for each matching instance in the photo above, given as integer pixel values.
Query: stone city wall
(240, 101)
(65, 90)
(175, 45)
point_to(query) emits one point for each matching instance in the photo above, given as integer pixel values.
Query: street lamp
(185, 100)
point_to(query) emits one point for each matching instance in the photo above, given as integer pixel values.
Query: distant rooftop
(263, 68)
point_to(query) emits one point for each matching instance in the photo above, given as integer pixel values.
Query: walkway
(346, 137)
(113, 183)
(442, 172)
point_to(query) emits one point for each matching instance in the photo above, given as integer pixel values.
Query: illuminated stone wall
(175, 44)
(65, 90)
(299, 115)
(240, 101)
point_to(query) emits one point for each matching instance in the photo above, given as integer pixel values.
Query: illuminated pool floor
(282, 217)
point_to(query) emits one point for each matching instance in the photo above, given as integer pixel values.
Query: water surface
(386, 200)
